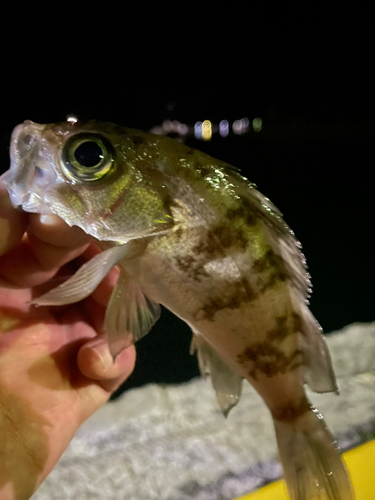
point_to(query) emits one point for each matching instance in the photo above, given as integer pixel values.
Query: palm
(41, 384)
(54, 367)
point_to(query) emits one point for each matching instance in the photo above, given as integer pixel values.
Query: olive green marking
(268, 262)
(230, 237)
(274, 279)
(245, 212)
(273, 266)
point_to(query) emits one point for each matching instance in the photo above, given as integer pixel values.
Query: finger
(52, 256)
(34, 262)
(53, 230)
(95, 362)
(12, 222)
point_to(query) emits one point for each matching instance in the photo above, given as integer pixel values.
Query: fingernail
(48, 219)
(104, 356)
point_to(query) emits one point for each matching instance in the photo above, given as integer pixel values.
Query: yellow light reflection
(206, 130)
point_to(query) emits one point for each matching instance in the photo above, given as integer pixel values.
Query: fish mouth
(29, 175)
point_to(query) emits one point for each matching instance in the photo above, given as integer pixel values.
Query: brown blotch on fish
(273, 266)
(179, 233)
(224, 235)
(230, 237)
(284, 327)
(281, 330)
(209, 247)
(269, 261)
(191, 267)
(240, 295)
(267, 359)
(203, 171)
(297, 323)
(292, 411)
(251, 294)
(137, 140)
(274, 279)
(244, 212)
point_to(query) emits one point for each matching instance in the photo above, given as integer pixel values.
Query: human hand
(55, 365)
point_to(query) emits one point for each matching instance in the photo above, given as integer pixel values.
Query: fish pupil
(88, 154)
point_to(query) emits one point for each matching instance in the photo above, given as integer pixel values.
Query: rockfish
(189, 232)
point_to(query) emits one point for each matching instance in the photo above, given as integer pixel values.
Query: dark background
(305, 68)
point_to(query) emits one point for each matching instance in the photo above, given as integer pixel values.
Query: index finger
(50, 244)
(12, 222)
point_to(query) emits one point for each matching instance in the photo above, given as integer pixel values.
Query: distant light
(72, 119)
(224, 128)
(158, 129)
(237, 127)
(257, 124)
(171, 126)
(206, 130)
(182, 129)
(198, 130)
(245, 124)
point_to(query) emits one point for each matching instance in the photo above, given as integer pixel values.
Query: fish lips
(30, 174)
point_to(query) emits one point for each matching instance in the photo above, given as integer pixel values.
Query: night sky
(305, 69)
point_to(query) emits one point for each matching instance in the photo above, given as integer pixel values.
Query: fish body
(189, 232)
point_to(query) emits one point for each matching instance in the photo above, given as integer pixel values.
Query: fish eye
(87, 157)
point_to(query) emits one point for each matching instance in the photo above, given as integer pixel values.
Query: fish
(189, 232)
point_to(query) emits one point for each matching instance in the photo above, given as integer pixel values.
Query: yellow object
(361, 464)
(206, 130)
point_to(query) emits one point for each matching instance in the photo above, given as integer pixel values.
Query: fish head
(98, 176)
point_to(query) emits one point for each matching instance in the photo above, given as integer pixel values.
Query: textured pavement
(172, 443)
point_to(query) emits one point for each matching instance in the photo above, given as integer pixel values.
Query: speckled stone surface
(172, 443)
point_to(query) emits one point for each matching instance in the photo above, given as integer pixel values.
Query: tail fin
(312, 465)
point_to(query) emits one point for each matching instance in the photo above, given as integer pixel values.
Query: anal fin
(226, 382)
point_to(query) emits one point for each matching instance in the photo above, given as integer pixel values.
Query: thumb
(95, 362)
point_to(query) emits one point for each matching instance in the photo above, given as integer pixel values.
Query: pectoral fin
(85, 280)
(130, 315)
(226, 382)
